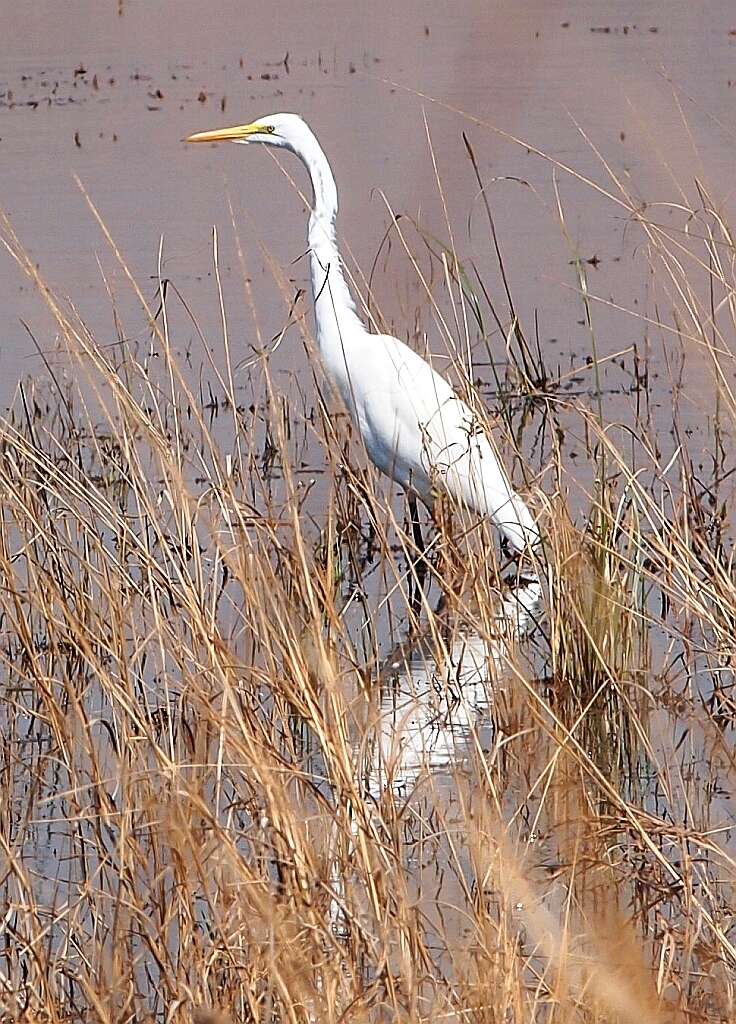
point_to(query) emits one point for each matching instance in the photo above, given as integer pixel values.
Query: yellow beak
(238, 131)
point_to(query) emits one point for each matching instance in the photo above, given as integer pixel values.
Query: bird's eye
(269, 128)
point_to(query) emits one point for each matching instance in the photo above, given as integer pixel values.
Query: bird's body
(415, 427)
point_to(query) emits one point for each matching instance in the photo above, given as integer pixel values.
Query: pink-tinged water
(107, 91)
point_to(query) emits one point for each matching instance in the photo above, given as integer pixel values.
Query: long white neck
(336, 318)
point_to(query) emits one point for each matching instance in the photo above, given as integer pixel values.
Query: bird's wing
(419, 432)
(400, 394)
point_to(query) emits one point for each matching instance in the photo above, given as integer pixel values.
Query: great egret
(415, 428)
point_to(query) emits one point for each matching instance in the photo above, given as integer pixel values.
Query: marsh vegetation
(254, 768)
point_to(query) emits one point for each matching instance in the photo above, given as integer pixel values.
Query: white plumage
(415, 428)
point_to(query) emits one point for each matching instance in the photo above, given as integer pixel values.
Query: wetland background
(245, 774)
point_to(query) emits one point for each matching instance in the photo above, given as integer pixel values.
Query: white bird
(415, 428)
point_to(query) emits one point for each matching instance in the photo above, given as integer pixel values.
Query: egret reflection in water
(435, 709)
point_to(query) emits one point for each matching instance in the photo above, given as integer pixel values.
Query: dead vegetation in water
(197, 641)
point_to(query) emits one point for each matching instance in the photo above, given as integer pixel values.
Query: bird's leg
(416, 526)
(419, 567)
(448, 555)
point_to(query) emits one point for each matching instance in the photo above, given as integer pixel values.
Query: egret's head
(282, 130)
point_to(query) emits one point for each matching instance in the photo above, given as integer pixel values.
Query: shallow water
(107, 92)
